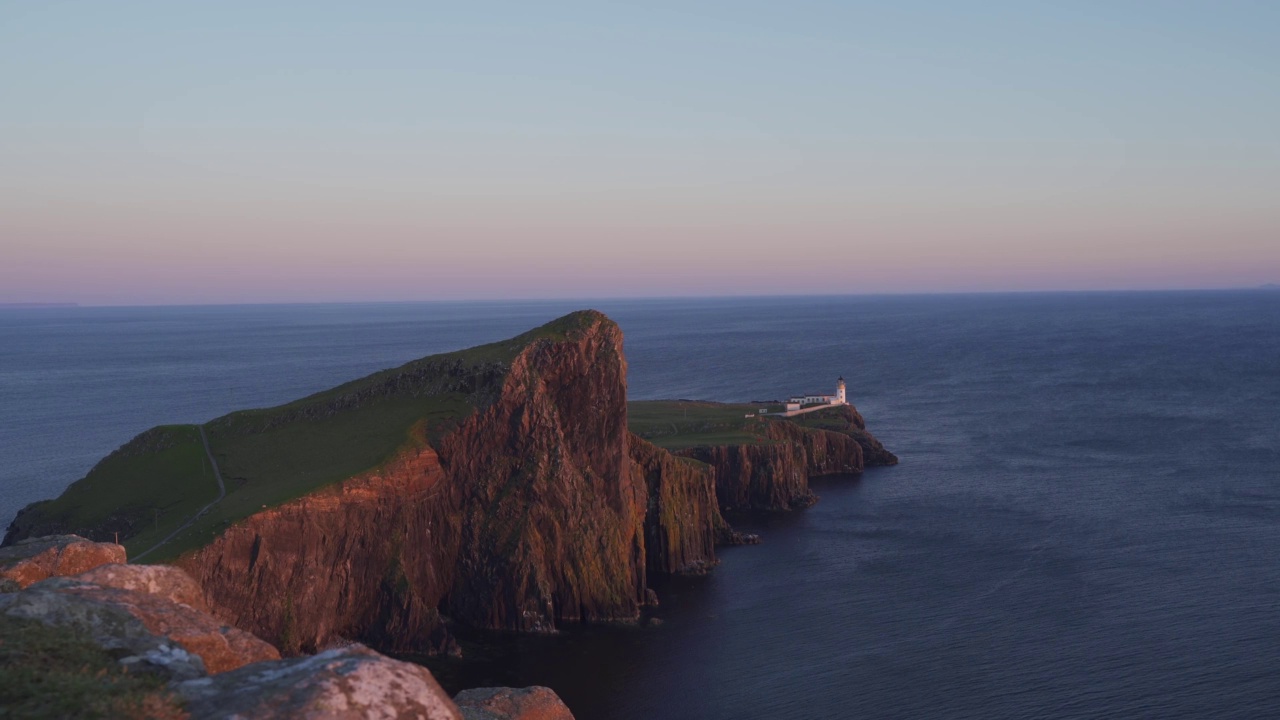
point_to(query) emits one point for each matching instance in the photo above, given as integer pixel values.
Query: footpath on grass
(222, 492)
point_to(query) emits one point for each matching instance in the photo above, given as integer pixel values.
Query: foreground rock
(138, 641)
(36, 559)
(499, 703)
(151, 617)
(351, 682)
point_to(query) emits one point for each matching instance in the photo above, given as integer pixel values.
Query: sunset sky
(181, 152)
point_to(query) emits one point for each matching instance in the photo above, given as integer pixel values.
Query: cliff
(550, 515)
(522, 515)
(846, 420)
(498, 487)
(682, 518)
(770, 475)
(366, 558)
(762, 461)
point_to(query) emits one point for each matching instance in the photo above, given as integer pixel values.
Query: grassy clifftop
(162, 478)
(680, 424)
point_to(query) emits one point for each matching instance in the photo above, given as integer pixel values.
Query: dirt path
(222, 492)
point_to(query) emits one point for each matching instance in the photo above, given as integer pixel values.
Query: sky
(184, 152)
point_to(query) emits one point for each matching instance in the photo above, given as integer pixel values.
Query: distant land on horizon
(1269, 286)
(38, 304)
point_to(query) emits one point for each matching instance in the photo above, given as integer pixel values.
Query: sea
(1085, 522)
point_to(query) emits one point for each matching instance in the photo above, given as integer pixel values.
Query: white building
(840, 398)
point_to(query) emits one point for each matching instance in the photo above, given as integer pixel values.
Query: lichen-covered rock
(152, 614)
(109, 625)
(501, 703)
(164, 581)
(350, 682)
(32, 560)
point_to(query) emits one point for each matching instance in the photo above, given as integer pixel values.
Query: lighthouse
(840, 396)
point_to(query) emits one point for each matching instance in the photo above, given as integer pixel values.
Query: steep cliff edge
(766, 476)
(846, 420)
(493, 485)
(522, 515)
(761, 461)
(498, 487)
(550, 514)
(682, 519)
(367, 558)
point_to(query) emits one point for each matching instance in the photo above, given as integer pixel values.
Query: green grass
(679, 424)
(151, 485)
(274, 455)
(51, 673)
(266, 468)
(159, 480)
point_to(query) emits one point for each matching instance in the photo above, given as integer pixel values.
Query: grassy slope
(157, 481)
(679, 424)
(161, 478)
(51, 673)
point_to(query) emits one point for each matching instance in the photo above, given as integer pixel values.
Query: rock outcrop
(498, 703)
(848, 421)
(550, 513)
(35, 559)
(366, 558)
(682, 518)
(152, 620)
(773, 473)
(525, 515)
(349, 682)
(768, 476)
(154, 616)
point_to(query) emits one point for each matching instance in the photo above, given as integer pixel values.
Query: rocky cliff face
(535, 508)
(368, 558)
(550, 514)
(682, 519)
(774, 473)
(825, 452)
(526, 515)
(846, 420)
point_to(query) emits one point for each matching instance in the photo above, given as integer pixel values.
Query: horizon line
(56, 305)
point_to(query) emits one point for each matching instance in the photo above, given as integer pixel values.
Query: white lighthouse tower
(840, 396)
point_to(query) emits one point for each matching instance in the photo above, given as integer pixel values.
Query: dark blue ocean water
(1085, 523)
